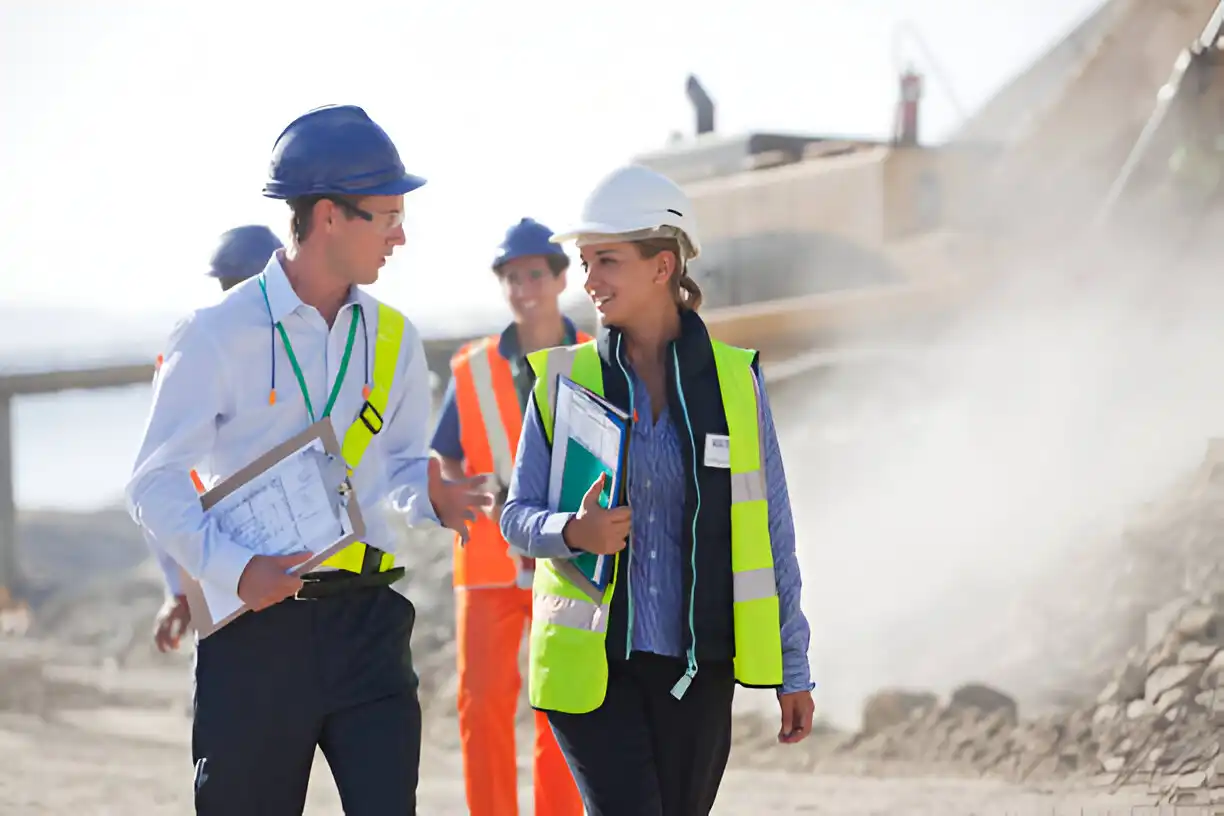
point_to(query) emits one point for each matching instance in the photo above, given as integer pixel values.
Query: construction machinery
(1177, 161)
(808, 238)
(814, 246)
(814, 241)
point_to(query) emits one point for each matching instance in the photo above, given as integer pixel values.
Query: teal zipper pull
(682, 685)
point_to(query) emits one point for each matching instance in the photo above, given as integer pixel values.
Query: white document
(288, 508)
(589, 437)
(580, 418)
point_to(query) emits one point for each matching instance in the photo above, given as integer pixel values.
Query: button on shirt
(211, 411)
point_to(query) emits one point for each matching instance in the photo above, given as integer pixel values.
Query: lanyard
(297, 369)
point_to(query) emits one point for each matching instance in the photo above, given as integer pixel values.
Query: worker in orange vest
(477, 433)
(241, 253)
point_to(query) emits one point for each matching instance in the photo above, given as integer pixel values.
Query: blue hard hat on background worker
(336, 150)
(241, 253)
(527, 238)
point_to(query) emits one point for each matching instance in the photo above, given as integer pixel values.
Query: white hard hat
(634, 203)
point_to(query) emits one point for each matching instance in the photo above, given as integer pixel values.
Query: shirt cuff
(173, 585)
(550, 543)
(412, 502)
(226, 566)
(796, 673)
(424, 511)
(170, 571)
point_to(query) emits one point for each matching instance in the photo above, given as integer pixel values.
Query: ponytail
(685, 291)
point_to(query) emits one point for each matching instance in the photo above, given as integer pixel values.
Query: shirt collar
(282, 300)
(508, 344)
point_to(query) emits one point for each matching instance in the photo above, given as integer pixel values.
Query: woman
(637, 680)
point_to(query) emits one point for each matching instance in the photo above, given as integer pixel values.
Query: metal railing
(35, 383)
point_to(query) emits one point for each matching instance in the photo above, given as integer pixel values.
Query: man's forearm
(166, 506)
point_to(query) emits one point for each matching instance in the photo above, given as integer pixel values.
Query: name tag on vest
(718, 451)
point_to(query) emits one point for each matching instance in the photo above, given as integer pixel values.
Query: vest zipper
(629, 548)
(682, 685)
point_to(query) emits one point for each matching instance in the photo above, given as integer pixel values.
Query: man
(322, 660)
(241, 253)
(477, 434)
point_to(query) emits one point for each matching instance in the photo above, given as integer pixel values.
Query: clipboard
(574, 467)
(322, 432)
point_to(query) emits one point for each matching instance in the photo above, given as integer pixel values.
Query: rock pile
(1145, 701)
(1079, 622)
(1158, 721)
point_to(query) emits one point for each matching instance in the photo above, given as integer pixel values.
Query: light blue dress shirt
(210, 411)
(168, 565)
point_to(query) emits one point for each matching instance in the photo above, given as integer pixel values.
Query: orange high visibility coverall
(493, 611)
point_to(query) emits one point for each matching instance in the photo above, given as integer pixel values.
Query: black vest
(708, 587)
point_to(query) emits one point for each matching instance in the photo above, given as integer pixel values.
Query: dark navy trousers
(335, 673)
(645, 753)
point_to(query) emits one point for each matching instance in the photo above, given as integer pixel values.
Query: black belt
(317, 585)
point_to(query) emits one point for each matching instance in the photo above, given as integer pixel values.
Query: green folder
(590, 437)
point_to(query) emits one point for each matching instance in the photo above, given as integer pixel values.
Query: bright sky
(136, 132)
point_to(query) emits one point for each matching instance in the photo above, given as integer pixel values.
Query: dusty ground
(115, 761)
(84, 740)
(93, 721)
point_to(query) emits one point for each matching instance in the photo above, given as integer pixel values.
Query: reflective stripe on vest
(568, 659)
(755, 611)
(490, 420)
(369, 422)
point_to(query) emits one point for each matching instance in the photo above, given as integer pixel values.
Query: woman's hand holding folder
(595, 529)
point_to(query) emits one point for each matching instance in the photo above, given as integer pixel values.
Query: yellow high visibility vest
(370, 421)
(568, 664)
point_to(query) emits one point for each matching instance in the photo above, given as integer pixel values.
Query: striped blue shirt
(656, 494)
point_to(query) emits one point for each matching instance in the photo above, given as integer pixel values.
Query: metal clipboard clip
(345, 487)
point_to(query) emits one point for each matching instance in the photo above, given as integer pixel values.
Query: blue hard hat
(527, 237)
(243, 252)
(336, 150)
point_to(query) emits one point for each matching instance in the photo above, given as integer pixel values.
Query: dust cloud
(941, 489)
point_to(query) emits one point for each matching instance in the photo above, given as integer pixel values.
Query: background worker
(241, 253)
(322, 660)
(477, 433)
(638, 681)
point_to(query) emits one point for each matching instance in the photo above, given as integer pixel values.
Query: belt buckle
(309, 580)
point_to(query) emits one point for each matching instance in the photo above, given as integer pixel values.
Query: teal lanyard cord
(297, 369)
(344, 362)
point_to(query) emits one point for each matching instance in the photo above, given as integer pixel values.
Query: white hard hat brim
(588, 228)
(612, 231)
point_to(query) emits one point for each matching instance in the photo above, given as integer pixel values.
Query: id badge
(717, 451)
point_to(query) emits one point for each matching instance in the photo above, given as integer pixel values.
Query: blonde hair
(685, 291)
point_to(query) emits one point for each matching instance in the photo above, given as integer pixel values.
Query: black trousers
(334, 673)
(645, 753)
